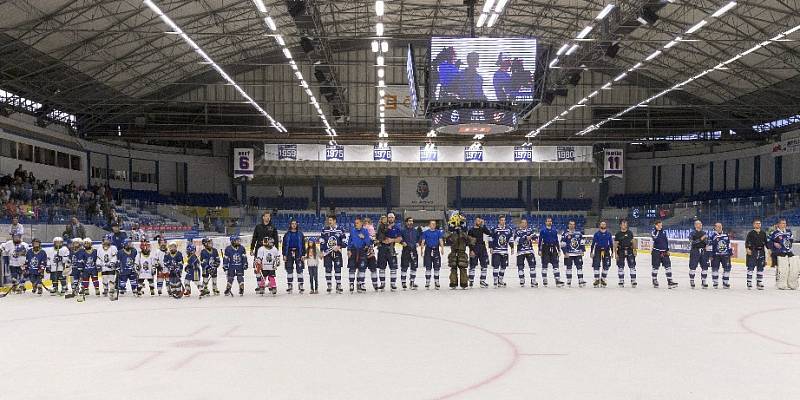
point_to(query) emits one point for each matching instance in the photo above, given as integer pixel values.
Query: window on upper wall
(62, 160)
(75, 162)
(45, 156)
(25, 152)
(8, 148)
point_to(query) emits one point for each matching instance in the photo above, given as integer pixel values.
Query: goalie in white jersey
(268, 259)
(59, 266)
(107, 261)
(146, 263)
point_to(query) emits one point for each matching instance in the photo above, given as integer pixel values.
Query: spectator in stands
(19, 172)
(262, 230)
(16, 227)
(74, 230)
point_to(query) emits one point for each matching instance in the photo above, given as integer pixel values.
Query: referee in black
(756, 244)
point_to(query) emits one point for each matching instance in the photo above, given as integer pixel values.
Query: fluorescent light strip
(380, 48)
(167, 20)
(724, 9)
(604, 12)
(582, 34)
(572, 49)
(645, 103)
(697, 27)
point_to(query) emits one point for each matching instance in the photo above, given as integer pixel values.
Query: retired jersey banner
(334, 153)
(287, 152)
(398, 102)
(473, 154)
(243, 163)
(381, 153)
(613, 163)
(523, 154)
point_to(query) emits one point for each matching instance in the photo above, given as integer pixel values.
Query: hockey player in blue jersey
(409, 258)
(35, 265)
(88, 261)
(209, 262)
(293, 251)
(660, 255)
(173, 263)
(235, 262)
(434, 250)
(602, 247)
(500, 239)
(388, 236)
(573, 248)
(127, 268)
(357, 243)
(331, 244)
(76, 270)
(193, 271)
(787, 265)
(720, 256)
(548, 251)
(524, 237)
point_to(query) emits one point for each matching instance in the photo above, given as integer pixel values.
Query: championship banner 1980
(613, 163)
(565, 153)
(243, 163)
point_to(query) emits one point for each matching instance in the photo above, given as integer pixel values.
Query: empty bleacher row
(301, 203)
(189, 199)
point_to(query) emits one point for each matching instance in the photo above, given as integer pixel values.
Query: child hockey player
(127, 268)
(76, 268)
(209, 262)
(17, 250)
(193, 273)
(235, 264)
(312, 261)
(268, 259)
(88, 262)
(59, 265)
(146, 262)
(162, 274)
(107, 261)
(173, 263)
(35, 265)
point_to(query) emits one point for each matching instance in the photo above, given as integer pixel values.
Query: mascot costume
(458, 259)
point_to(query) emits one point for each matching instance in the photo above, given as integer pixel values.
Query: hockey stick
(114, 294)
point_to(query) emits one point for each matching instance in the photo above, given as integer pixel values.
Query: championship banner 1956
(613, 163)
(243, 163)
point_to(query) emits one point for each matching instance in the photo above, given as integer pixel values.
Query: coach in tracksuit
(293, 252)
(698, 255)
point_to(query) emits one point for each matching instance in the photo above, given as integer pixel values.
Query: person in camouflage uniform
(458, 259)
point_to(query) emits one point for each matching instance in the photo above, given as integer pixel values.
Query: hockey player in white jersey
(162, 274)
(267, 261)
(107, 261)
(16, 250)
(146, 262)
(59, 266)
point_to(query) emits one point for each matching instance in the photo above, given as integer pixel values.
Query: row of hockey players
(140, 267)
(377, 252)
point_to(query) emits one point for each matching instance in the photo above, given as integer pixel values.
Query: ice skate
(300, 288)
(522, 283)
(159, 291)
(559, 284)
(596, 283)
(672, 284)
(621, 284)
(289, 288)
(241, 289)
(749, 285)
(471, 283)
(534, 284)
(393, 287)
(153, 293)
(437, 285)
(716, 285)
(691, 283)
(603, 282)
(352, 288)
(216, 291)
(330, 288)
(405, 286)
(655, 283)
(634, 284)
(105, 292)
(544, 282)
(362, 288)
(484, 284)
(427, 285)
(760, 286)
(339, 288)
(413, 286)
(582, 284)
(273, 291)
(726, 285)
(228, 291)
(97, 291)
(704, 285)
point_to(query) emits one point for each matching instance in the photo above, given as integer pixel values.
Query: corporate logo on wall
(287, 152)
(523, 154)
(790, 146)
(243, 165)
(334, 153)
(564, 153)
(423, 189)
(428, 154)
(473, 154)
(381, 153)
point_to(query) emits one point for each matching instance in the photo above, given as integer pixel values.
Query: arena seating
(642, 199)
(188, 199)
(280, 203)
(501, 203)
(563, 204)
(352, 202)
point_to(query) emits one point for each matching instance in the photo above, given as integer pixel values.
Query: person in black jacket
(477, 251)
(756, 245)
(262, 230)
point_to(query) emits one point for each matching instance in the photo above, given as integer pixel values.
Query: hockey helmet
(144, 245)
(58, 239)
(172, 244)
(206, 241)
(76, 241)
(234, 238)
(190, 248)
(87, 240)
(108, 238)
(127, 242)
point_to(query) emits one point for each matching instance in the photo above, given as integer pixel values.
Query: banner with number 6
(612, 163)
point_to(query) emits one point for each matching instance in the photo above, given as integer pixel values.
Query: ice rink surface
(512, 343)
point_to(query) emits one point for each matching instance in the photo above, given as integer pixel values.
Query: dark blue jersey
(660, 240)
(572, 243)
(127, 260)
(500, 238)
(209, 259)
(193, 264)
(432, 237)
(118, 239)
(523, 240)
(359, 239)
(720, 243)
(548, 237)
(36, 260)
(173, 262)
(783, 240)
(411, 236)
(88, 259)
(330, 238)
(235, 258)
